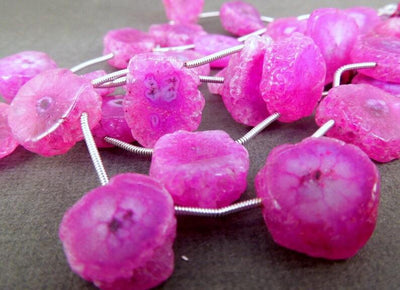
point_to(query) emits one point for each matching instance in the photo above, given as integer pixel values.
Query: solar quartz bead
(200, 169)
(186, 55)
(365, 17)
(7, 141)
(389, 27)
(175, 34)
(320, 197)
(124, 43)
(17, 69)
(364, 116)
(240, 18)
(97, 74)
(120, 235)
(284, 27)
(44, 116)
(293, 77)
(183, 11)
(216, 88)
(162, 97)
(391, 88)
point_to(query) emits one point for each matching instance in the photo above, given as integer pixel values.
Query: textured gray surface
(235, 252)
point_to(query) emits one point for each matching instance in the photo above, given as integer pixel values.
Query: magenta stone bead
(365, 17)
(7, 141)
(201, 169)
(112, 123)
(186, 55)
(335, 33)
(163, 97)
(240, 18)
(241, 92)
(365, 116)
(216, 88)
(45, 114)
(389, 27)
(385, 51)
(97, 74)
(178, 34)
(120, 235)
(284, 27)
(17, 69)
(211, 43)
(124, 43)
(183, 11)
(320, 197)
(293, 77)
(391, 88)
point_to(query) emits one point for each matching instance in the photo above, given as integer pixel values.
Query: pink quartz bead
(391, 88)
(44, 116)
(124, 43)
(120, 235)
(185, 55)
(320, 197)
(241, 92)
(7, 141)
(364, 116)
(112, 123)
(284, 27)
(163, 97)
(211, 43)
(240, 18)
(201, 169)
(389, 27)
(97, 74)
(17, 69)
(385, 51)
(365, 17)
(335, 33)
(183, 11)
(293, 77)
(178, 34)
(216, 88)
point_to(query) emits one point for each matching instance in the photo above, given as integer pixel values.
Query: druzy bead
(320, 197)
(186, 55)
(17, 69)
(240, 18)
(120, 235)
(45, 114)
(241, 91)
(216, 88)
(7, 141)
(178, 34)
(97, 74)
(335, 33)
(389, 27)
(112, 123)
(293, 77)
(365, 17)
(163, 97)
(201, 169)
(211, 43)
(183, 11)
(365, 116)
(385, 51)
(124, 43)
(284, 27)
(392, 88)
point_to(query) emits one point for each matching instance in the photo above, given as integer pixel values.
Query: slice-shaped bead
(320, 197)
(124, 43)
(365, 116)
(293, 77)
(162, 97)
(7, 141)
(284, 27)
(120, 235)
(45, 114)
(201, 169)
(365, 17)
(17, 69)
(176, 34)
(97, 74)
(389, 27)
(216, 88)
(391, 88)
(183, 11)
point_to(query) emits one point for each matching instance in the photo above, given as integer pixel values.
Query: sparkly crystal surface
(183, 11)
(176, 34)
(365, 17)
(185, 55)
(7, 141)
(284, 27)
(392, 88)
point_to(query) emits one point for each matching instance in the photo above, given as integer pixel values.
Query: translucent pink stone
(183, 11)
(389, 27)
(185, 55)
(365, 116)
(320, 197)
(391, 88)
(177, 34)
(124, 43)
(240, 18)
(45, 114)
(385, 51)
(335, 32)
(241, 92)
(120, 235)
(211, 43)
(163, 97)
(284, 27)
(7, 141)
(216, 88)
(293, 77)
(97, 74)
(365, 17)
(112, 123)
(17, 69)
(202, 169)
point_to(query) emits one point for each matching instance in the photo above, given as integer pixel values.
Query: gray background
(235, 252)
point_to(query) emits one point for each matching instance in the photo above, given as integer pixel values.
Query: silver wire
(214, 56)
(257, 32)
(113, 84)
(353, 66)
(94, 153)
(267, 19)
(147, 152)
(212, 79)
(91, 62)
(257, 129)
(209, 14)
(109, 78)
(323, 129)
(174, 48)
